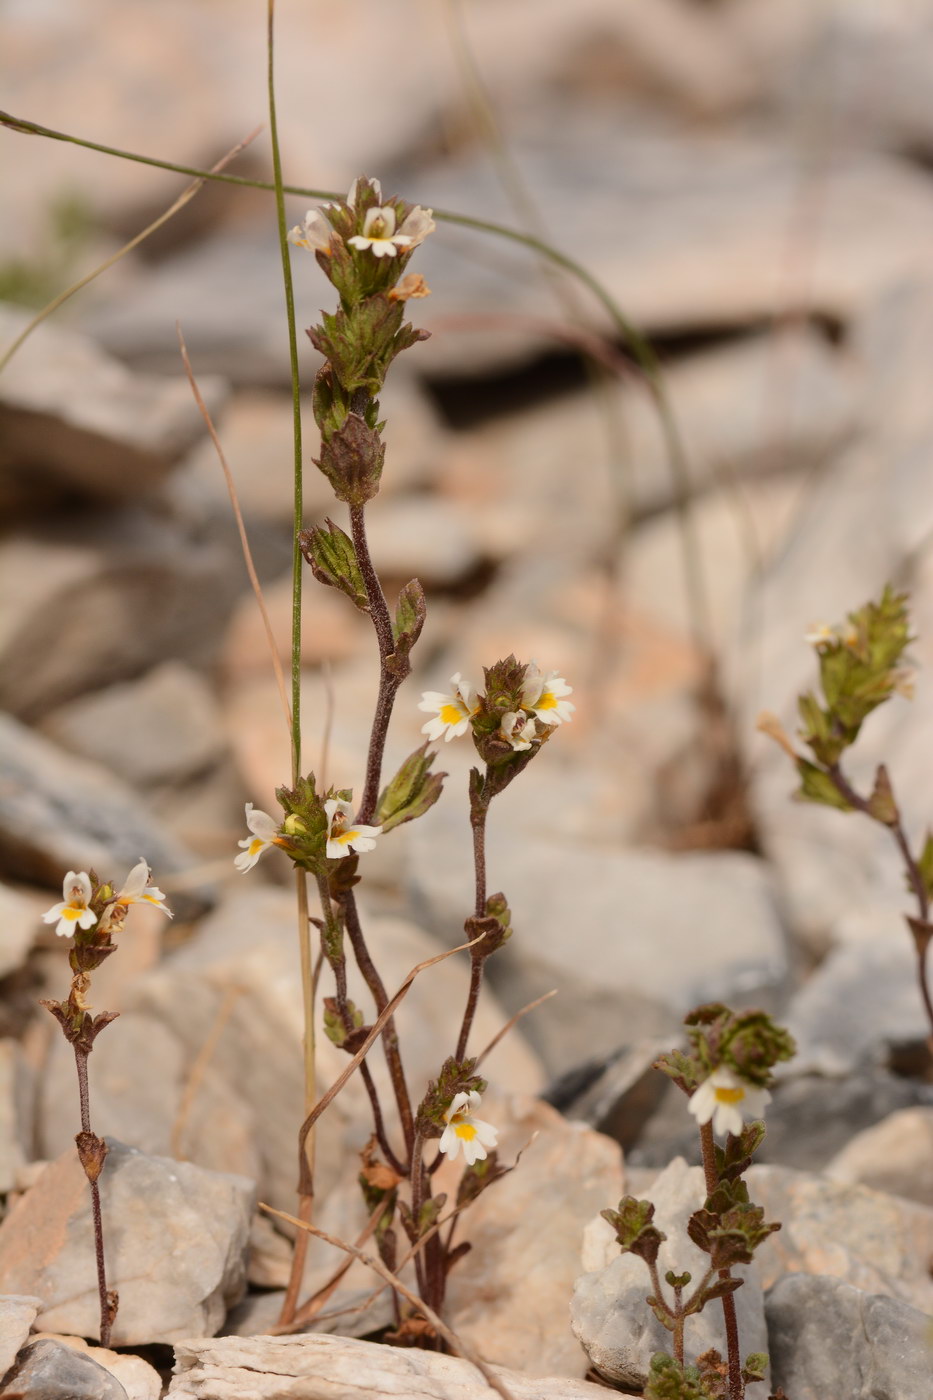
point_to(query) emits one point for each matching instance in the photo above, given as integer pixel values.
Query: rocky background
(751, 181)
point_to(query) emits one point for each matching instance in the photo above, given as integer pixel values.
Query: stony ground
(752, 183)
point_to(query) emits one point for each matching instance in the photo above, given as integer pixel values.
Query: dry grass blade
(379, 1268)
(170, 213)
(241, 528)
(374, 1032)
(513, 1020)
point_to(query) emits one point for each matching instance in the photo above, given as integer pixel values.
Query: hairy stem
(390, 1043)
(108, 1301)
(736, 1384)
(389, 681)
(479, 809)
(911, 868)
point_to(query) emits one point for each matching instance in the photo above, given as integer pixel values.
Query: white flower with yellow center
(343, 833)
(314, 233)
(265, 831)
(729, 1100)
(72, 912)
(137, 889)
(382, 238)
(518, 729)
(453, 711)
(820, 634)
(466, 1132)
(542, 694)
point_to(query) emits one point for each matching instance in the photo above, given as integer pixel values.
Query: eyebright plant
(726, 1074)
(861, 666)
(363, 245)
(90, 912)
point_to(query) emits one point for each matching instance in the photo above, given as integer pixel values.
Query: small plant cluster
(90, 912)
(861, 665)
(363, 245)
(726, 1073)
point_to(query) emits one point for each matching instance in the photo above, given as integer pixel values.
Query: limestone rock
(101, 598)
(896, 1155)
(141, 1074)
(46, 1370)
(17, 1314)
(876, 1242)
(140, 1380)
(69, 411)
(59, 813)
(20, 913)
(163, 728)
(175, 1234)
(608, 1310)
(651, 902)
(17, 1091)
(860, 1002)
(830, 1341)
(320, 1367)
(508, 1297)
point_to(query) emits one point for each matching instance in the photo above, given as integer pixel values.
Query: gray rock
(861, 1002)
(895, 1155)
(876, 1242)
(163, 728)
(649, 971)
(615, 1096)
(608, 1310)
(17, 1096)
(102, 597)
(46, 1370)
(58, 812)
(422, 537)
(20, 914)
(17, 1314)
(829, 1341)
(69, 411)
(175, 1239)
(321, 1367)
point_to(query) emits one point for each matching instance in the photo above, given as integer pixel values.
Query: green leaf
(332, 557)
(925, 864)
(635, 1234)
(411, 792)
(881, 803)
(818, 786)
(410, 613)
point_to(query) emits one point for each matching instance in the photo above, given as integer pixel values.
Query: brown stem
(476, 982)
(479, 809)
(86, 1139)
(678, 1333)
(296, 1275)
(389, 681)
(390, 1043)
(914, 876)
(417, 1201)
(736, 1384)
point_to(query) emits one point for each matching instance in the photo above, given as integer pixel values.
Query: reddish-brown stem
(736, 1384)
(479, 810)
(912, 869)
(390, 1044)
(389, 681)
(107, 1301)
(290, 1301)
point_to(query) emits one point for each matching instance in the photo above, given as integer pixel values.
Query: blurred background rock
(751, 181)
